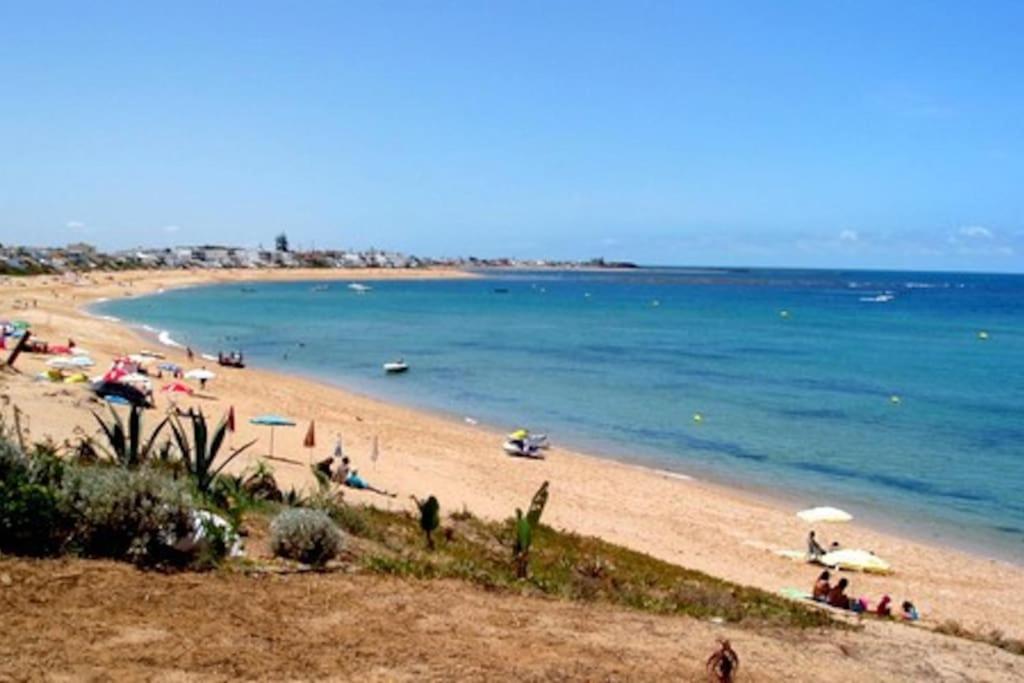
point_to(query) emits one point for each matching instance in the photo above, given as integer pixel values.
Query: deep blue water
(799, 404)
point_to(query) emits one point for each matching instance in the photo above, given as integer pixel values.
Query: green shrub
(31, 522)
(138, 515)
(309, 536)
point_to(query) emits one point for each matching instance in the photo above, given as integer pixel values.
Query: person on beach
(202, 381)
(883, 610)
(814, 549)
(341, 472)
(188, 352)
(909, 611)
(837, 596)
(354, 481)
(821, 587)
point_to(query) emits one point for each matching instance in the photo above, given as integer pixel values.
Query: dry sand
(698, 524)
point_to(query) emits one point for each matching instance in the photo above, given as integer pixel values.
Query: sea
(898, 396)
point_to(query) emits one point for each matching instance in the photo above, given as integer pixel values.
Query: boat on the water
(883, 298)
(396, 367)
(360, 288)
(519, 448)
(232, 359)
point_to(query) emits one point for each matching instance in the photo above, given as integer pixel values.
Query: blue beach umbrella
(272, 421)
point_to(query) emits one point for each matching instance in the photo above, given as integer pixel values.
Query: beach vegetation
(53, 506)
(524, 530)
(199, 454)
(126, 445)
(430, 517)
(995, 637)
(305, 535)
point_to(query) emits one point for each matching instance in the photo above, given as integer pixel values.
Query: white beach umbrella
(859, 560)
(824, 514)
(200, 373)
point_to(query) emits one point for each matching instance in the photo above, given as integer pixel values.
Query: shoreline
(936, 533)
(722, 529)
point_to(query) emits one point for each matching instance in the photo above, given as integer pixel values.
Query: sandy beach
(721, 531)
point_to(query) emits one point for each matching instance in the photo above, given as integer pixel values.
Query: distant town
(21, 260)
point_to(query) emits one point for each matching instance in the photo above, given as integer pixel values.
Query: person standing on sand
(202, 381)
(188, 352)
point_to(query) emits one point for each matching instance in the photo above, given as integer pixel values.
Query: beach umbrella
(859, 560)
(272, 421)
(310, 440)
(176, 388)
(824, 514)
(200, 374)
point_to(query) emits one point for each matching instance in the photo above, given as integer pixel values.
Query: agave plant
(200, 455)
(430, 517)
(525, 526)
(126, 446)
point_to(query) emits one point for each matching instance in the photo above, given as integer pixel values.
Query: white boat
(522, 449)
(395, 367)
(880, 299)
(360, 289)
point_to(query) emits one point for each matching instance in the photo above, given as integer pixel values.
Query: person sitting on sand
(837, 596)
(909, 611)
(342, 471)
(883, 610)
(354, 481)
(814, 549)
(821, 587)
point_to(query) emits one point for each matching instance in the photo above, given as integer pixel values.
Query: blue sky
(822, 133)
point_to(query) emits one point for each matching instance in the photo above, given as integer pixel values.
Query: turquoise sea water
(618, 363)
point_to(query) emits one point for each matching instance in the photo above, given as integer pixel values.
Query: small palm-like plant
(525, 526)
(126, 446)
(200, 454)
(430, 517)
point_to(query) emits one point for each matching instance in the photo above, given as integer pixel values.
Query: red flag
(231, 419)
(310, 440)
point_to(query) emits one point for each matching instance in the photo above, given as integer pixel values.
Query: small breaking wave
(164, 338)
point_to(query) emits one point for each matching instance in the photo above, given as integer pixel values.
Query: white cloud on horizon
(848, 236)
(75, 225)
(172, 228)
(975, 232)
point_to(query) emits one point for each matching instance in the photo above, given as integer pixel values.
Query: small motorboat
(883, 298)
(396, 367)
(360, 289)
(518, 448)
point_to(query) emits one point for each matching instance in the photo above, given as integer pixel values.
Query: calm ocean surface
(799, 405)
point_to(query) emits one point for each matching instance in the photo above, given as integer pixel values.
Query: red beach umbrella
(176, 388)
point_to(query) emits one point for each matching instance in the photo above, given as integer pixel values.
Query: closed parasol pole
(310, 440)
